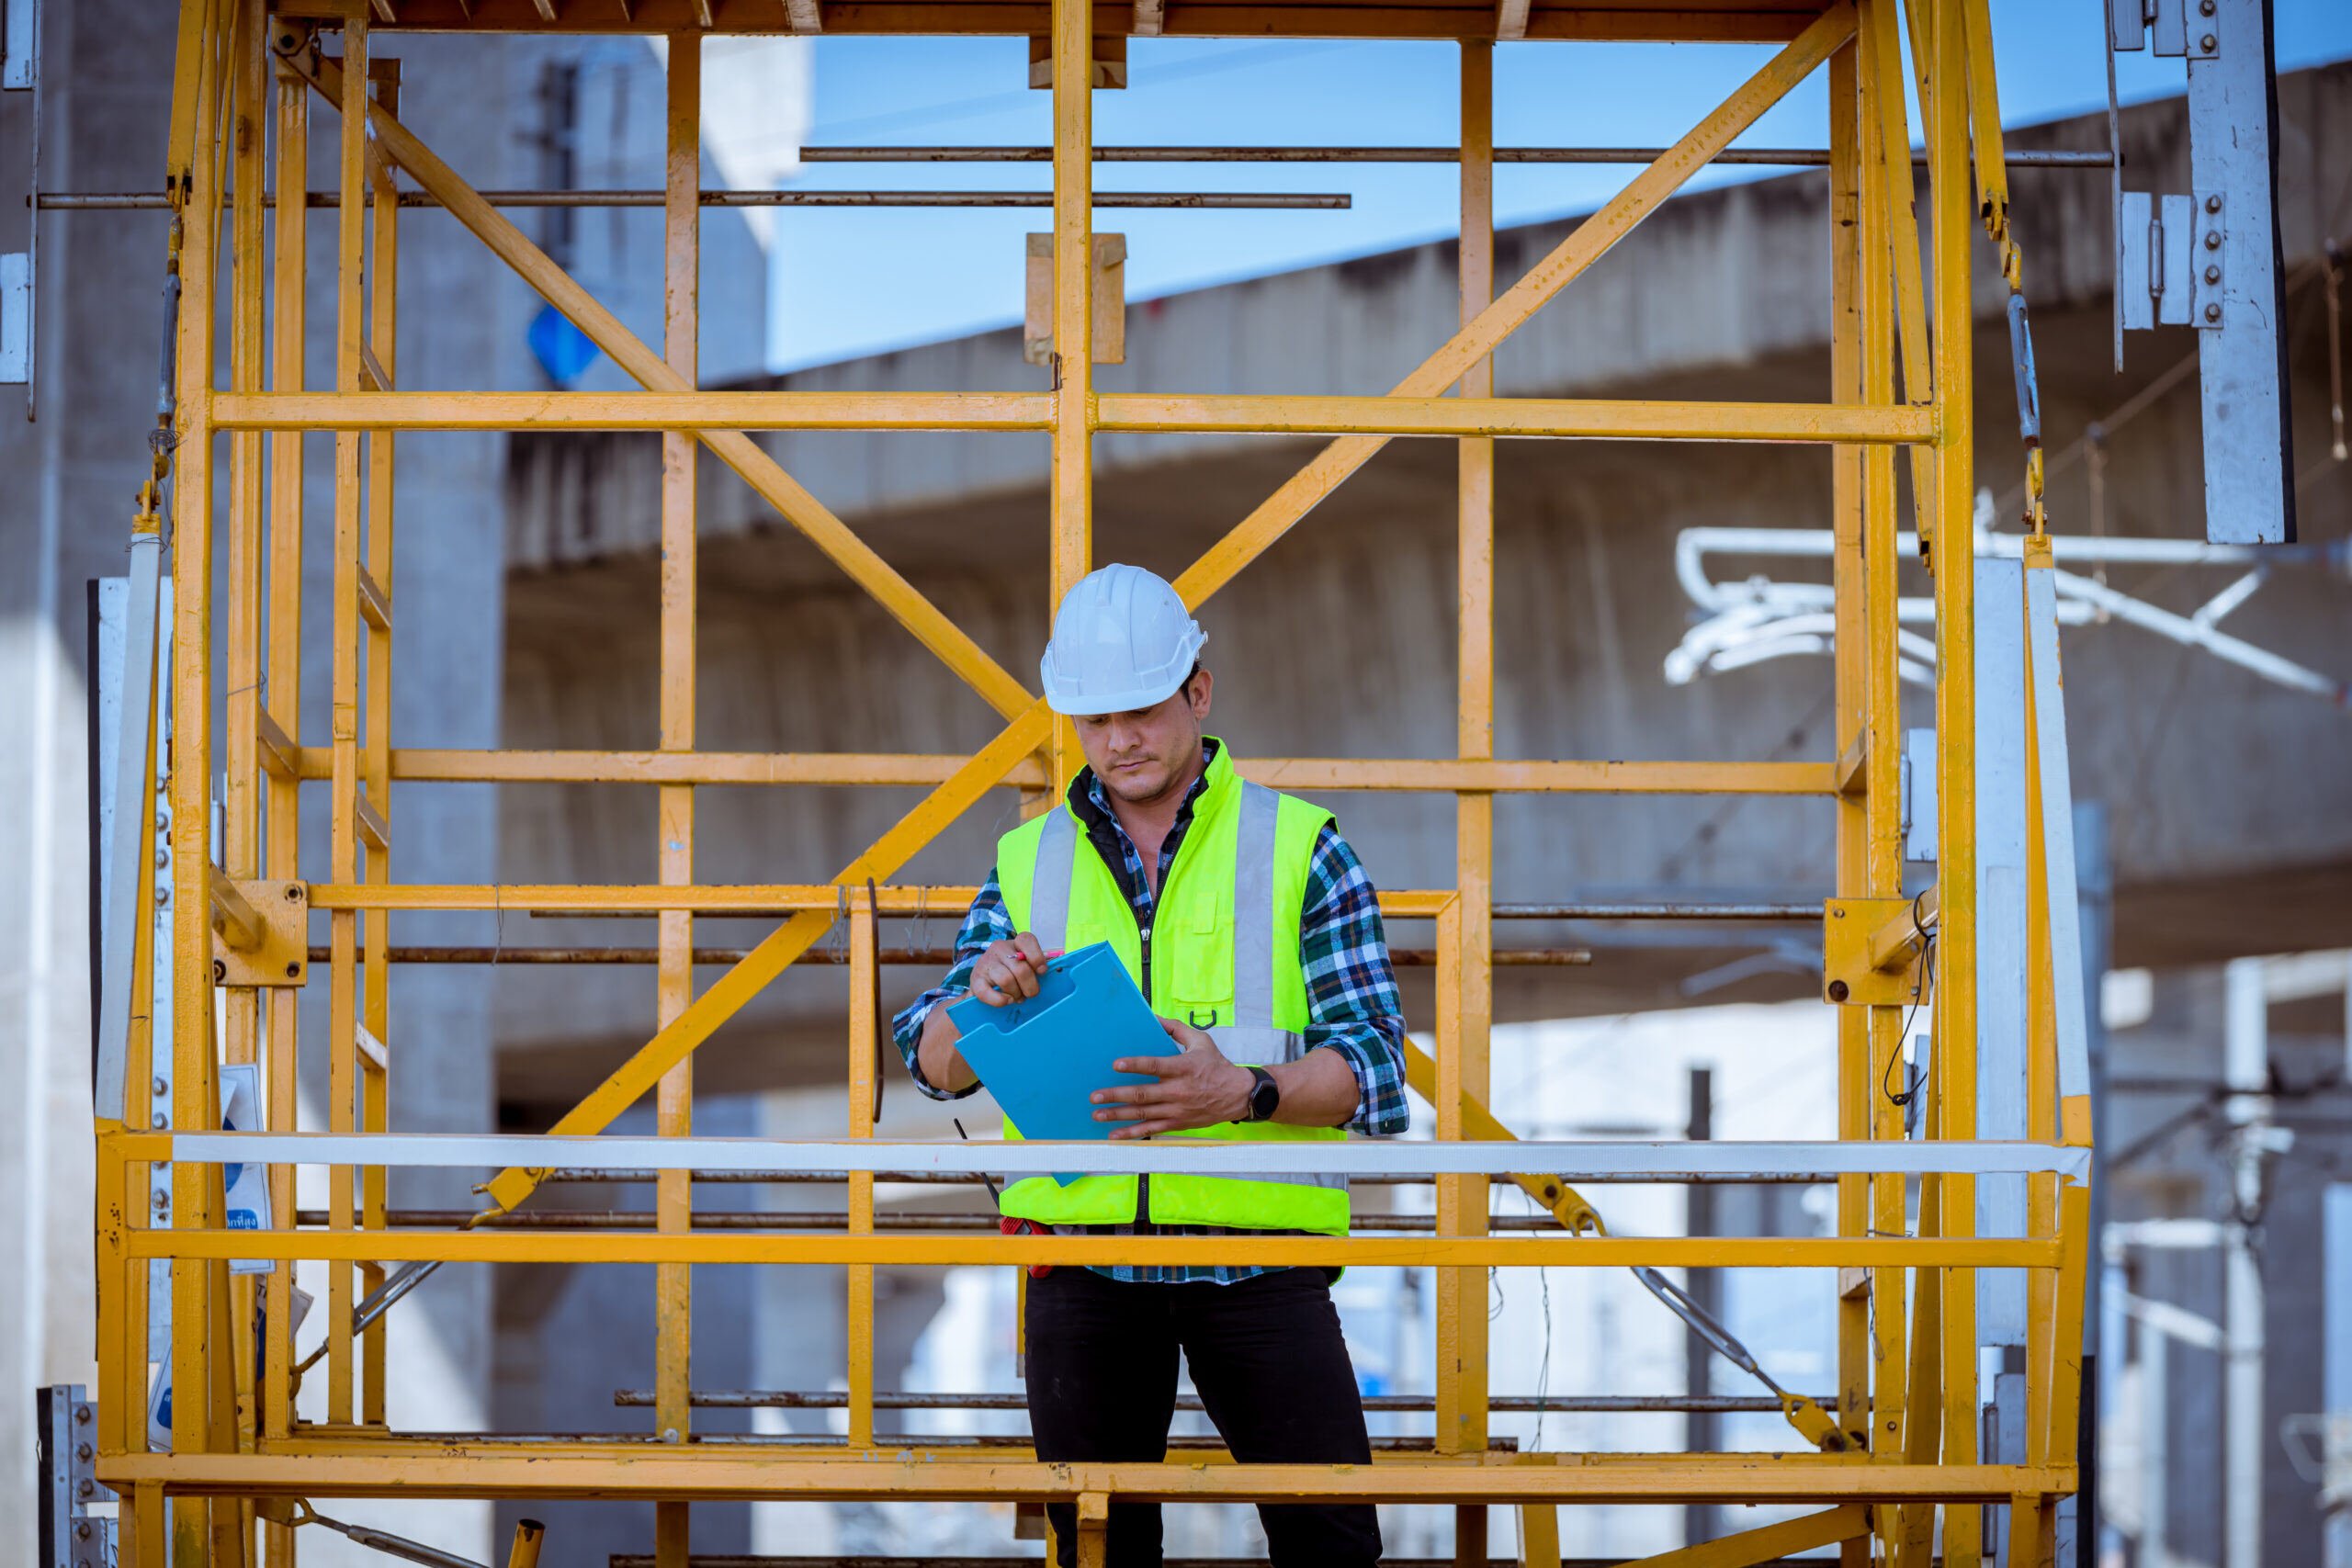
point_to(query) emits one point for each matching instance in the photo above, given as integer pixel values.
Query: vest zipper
(1143, 1181)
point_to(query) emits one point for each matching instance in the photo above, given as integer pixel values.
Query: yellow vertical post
(241, 840)
(1882, 816)
(1461, 1201)
(1954, 230)
(375, 762)
(1073, 361)
(283, 696)
(343, 810)
(1849, 576)
(865, 1022)
(674, 804)
(123, 1392)
(194, 1096)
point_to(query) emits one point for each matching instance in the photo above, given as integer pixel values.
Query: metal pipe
(2245, 1065)
(1773, 157)
(815, 1220)
(587, 1174)
(1403, 957)
(139, 202)
(826, 1399)
(855, 1560)
(1685, 911)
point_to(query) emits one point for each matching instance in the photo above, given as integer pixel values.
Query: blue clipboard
(1042, 1057)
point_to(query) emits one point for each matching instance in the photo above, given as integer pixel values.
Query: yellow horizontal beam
(746, 898)
(633, 410)
(928, 1250)
(1393, 773)
(1545, 778)
(1034, 18)
(1599, 419)
(673, 767)
(455, 1469)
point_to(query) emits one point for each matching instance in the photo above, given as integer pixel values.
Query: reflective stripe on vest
(1039, 878)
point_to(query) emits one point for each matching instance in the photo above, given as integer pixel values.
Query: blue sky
(847, 282)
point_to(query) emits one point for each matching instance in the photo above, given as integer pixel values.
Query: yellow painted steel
(1906, 1329)
(674, 803)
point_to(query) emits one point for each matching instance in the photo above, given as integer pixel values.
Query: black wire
(1914, 1077)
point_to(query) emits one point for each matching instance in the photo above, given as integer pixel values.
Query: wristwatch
(1264, 1095)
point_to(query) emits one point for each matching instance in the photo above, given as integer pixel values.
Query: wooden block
(1108, 67)
(1109, 300)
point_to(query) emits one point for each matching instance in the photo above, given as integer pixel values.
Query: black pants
(1272, 1371)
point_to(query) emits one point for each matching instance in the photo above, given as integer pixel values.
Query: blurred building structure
(536, 587)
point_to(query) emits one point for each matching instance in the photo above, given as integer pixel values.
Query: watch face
(1264, 1098)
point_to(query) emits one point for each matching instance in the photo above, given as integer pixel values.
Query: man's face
(1147, 754)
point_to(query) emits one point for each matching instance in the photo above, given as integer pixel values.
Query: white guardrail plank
(1570, 1161)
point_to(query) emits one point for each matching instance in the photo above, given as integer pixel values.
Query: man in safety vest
(1251, 929)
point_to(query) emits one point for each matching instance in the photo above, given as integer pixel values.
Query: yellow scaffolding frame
(1903, 1458)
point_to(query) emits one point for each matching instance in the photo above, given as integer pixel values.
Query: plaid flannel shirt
(1352, 1006)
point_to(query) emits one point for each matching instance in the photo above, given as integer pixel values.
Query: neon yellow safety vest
(1224, 954)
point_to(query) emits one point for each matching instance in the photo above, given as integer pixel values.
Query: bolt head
(1838, 992)
(2207, 43)
(82, 1414)
(2213, 204)
(82, 1452)
(2213, 313)
(163, 1085)
(2212, 239)
(82, 1530)
(219, 972)
(293, 892)
(2204, 7)
(85, 1489)
(162, 1121)
(2212, 275)
(293, 971)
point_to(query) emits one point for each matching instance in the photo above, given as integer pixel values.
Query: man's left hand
(1196, 1088)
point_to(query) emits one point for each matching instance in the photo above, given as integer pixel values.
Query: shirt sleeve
(1352, 1006)
(985, 922)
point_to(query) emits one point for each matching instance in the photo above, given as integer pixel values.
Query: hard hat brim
(1073, 705)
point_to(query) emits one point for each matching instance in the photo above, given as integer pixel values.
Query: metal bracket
(1918, 791)
(2158, 258)
(1868, 954)
(20, 72)
(280, 953)
(66, 1441)
(2211, 260)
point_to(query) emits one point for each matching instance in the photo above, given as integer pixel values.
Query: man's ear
(1197, 690)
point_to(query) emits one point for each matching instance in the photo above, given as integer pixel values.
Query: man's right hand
(1008, 971)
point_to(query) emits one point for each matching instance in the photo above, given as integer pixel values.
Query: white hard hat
(1122, 640)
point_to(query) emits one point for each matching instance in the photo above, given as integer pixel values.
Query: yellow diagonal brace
(1889, 141)
(1564, 1202)
(1213, 570)
(1985, 126)
(930, 625)
(758, 967)
(1767, 1543)
(1592, 240)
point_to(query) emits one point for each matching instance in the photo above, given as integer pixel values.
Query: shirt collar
(1098, 798)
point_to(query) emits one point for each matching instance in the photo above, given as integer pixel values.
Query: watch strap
(1265, 1095)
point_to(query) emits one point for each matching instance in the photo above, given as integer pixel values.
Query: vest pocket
(1202, 966)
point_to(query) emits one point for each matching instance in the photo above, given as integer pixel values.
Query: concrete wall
(107, 74)
(2227, 793)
